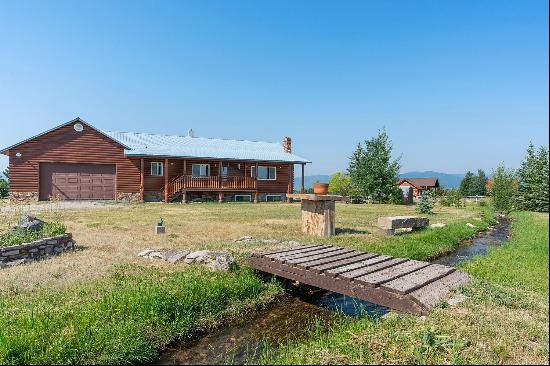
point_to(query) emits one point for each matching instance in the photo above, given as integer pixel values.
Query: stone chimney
(287, 144)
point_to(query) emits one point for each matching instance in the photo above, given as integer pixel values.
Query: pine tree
(467, 184)
(478, 186)
(426, 203)
(372, 171)
(533, 180)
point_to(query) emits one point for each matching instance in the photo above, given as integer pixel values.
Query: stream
(296, 315)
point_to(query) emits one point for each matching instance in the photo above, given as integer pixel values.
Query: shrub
(504, 189)
(4, 188)
(452, 197)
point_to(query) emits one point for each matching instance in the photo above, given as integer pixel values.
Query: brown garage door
(77, 181)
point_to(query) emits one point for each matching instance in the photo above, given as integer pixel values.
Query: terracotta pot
(320, 188)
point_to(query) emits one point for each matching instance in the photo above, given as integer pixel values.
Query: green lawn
(104, 304)
(503, 320)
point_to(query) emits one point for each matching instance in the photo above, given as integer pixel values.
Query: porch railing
(184, 182)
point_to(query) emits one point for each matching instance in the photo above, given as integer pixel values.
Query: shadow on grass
(348, 230)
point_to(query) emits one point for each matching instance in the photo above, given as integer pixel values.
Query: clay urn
(320, 188)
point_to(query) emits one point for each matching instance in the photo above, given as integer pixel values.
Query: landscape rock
(145, 253)
(400, 222)
(30, 223)
(470, 225)
(155, 254)
(245, 239)
(175, 256)
(457, 299)
(213, 260)
(438, 225)
(196, 256)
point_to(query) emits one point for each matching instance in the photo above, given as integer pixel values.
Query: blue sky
(457, 84)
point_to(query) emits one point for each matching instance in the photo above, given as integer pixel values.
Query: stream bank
(306, 309)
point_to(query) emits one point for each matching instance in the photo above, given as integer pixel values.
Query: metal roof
(143, 144)
(421, 182)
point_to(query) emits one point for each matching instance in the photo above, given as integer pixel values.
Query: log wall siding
(176, 168)
(68, 146)
(90, 146)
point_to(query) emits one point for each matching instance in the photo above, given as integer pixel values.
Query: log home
(76, 161)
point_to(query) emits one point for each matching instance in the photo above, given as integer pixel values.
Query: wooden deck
(398, 283)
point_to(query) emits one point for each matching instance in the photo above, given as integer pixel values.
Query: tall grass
(523, 260)
(123, 319)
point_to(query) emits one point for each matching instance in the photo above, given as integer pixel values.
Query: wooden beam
(165, 180)
(303, 179)
(184, 166)
(142, 180)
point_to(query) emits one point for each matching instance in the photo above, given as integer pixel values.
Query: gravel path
(61, 205)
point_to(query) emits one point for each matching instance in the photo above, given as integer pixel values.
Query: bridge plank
(429, 295)
(415, 280)
(318, 256)
(372, 269)
(388, 274)
(358, 266)
(312, 253)
(291, 249)
(297, 251)
(341, 263)
(335, 258)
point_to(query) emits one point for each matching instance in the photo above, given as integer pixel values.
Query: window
(225, 171)
(243, 198)
(264, 172)
(157, 169)
(201, 170)
(273, 198)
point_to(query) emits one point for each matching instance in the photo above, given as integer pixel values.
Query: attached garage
(69, 181)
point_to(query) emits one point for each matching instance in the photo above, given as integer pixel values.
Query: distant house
(76, 161)
(418, 185)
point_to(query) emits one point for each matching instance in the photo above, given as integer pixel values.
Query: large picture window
(157, 169)
(265, 172)
(201, 170)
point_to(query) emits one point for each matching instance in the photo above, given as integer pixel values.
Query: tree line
(372, 176)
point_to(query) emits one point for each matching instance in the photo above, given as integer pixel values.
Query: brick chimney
(287, 144)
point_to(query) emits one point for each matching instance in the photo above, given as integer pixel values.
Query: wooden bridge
(405, 285)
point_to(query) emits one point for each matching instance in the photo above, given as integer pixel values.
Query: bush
(504, 189)
(452, 197)
(20, 236)
(4, 188)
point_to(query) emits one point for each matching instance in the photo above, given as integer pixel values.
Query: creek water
(297, 315)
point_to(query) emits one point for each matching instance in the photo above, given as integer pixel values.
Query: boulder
(438, 225)
(175, 256)
(214, 261)
(389, 224)
(155, 254)
(145, 252)
(30, 223)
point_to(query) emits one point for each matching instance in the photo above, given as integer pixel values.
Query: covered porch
(174, 177)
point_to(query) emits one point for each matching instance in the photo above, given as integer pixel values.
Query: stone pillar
(318, 217)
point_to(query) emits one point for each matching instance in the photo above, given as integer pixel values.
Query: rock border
(28, 252)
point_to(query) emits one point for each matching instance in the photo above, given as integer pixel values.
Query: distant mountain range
(445, 179)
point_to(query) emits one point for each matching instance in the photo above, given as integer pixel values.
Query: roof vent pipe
(190, 133)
